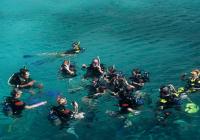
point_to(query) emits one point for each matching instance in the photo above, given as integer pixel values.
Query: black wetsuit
(98, 87)
(170, 101)
(111, 75)
(17, 79)
(138, 80)
(63, 113)
(16, 105)
(73, 51)
(93, 72)
(66, 73)
(193, 84)
(127, 102)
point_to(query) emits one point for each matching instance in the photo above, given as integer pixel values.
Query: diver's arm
(75, 106)
(100, 70)
(35, 105)
(135, 112)
(99, 65)
(76, 114)
(68, 69)
(126, 82)
(139, 84)
(172, 88)
(28, 84)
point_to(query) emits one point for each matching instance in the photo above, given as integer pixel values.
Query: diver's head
(195, 74)
(66, 62)
(76, 45)
(136, 72)
(24, 72)
(95, 62)
(16, 93)
(165, 90)
(61, 100)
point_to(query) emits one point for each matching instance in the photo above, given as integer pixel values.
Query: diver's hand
(75, 105)
(28, 84)
(45, 102)
(100, 70)
(31, 83)
(71, 72)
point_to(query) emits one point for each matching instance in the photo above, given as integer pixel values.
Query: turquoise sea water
(160, 36)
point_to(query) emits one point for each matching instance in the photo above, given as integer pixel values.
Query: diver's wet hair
(136, 70)
(15, 91)
(23, 70)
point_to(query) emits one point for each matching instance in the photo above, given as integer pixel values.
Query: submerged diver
(68, 69)
(12, 105)
(22, 80)
(61, 116)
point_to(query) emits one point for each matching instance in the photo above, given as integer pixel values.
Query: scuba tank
(7, 109)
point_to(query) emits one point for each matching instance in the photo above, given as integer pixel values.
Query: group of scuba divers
(103, 80)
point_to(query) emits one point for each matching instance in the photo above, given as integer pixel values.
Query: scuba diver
(22, 80)
(68, 69)
(130, 103)
(97, 88)
(169, 98)
(95, 70)
(60, 116)
(193, 82)
(12, 105)
(138, 78)
(76, 49)
(110, 74)
(119, 84)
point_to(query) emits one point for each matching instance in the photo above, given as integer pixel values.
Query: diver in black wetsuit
(59, 115)
(193, 82)
(169, 98)
(97, 88)
(68, 69)
(75, 49)
(138, 78)
(95, 70)
(22, 80)
(13, 106)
